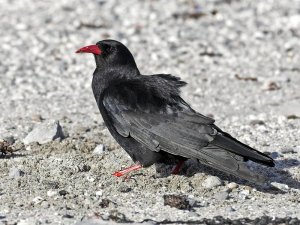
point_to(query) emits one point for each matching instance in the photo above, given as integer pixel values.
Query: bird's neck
(103, 78)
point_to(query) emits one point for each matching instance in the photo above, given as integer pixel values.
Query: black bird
(149, 119)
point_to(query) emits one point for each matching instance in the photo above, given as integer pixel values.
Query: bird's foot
(127, 170)
(178, 167)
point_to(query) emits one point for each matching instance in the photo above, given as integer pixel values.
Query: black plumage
(149, 119)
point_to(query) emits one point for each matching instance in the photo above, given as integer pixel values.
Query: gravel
(241, 60)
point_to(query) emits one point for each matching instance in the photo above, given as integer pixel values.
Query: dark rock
(63, 192)
(292, 117)
(104, 203)
(176, 201)
(67, 216)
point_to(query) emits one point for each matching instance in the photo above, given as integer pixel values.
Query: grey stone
(211, 182)
(44, 133)
(274, 155)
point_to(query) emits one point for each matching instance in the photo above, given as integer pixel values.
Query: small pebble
(14, 172)
(63, 192)
(99, 149)
(37, 200)
(232, 185)
(274, 155)
(45, 204)
(176, 201)
(244, 194)
(37, 118)
(257, 122)
(192, 201)
(211, 182)
(104, 203)
(124, 188)
(230, 209)
(221, 196)
(68, 216)
(270, 86)
(282, 187)
(90, 179)
(51, 193)
(99, 193)
(116, 216)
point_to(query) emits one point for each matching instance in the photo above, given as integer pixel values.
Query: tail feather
(228, 162)
(225, 141)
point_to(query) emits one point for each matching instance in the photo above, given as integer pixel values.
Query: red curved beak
(90, 49)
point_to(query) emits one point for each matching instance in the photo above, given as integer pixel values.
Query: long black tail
(226, 141)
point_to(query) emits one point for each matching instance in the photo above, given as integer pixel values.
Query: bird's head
(110, 54)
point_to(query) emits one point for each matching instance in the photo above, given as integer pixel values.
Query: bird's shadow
(276, 174)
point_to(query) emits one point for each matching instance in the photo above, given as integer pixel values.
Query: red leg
(178, 167)
(127, 170)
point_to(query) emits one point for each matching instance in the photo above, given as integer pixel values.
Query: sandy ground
(241, 60)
